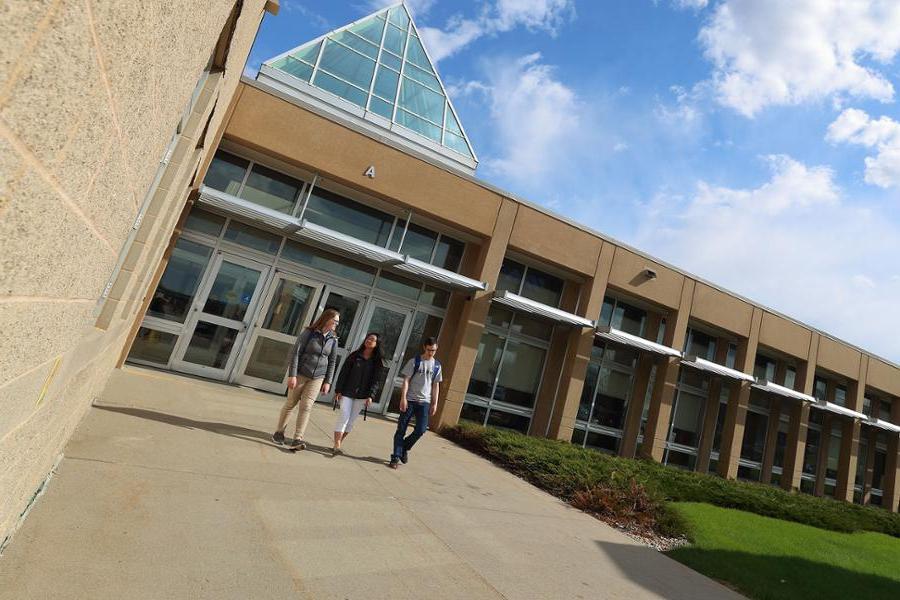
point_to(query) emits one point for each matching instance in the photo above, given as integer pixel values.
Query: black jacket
(359, 378)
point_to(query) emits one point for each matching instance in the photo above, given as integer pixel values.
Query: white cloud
(684, 113)
(791, 244)
(773, 52)
(497, 17)
(854, 126)
(690, 4)
(535, 116)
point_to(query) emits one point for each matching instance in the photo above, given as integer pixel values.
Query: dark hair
(376, 353)
(430, 341)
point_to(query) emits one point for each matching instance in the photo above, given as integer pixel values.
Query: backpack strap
(417, 363)
(437, 367)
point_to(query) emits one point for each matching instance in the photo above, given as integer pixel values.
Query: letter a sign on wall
(370, 172)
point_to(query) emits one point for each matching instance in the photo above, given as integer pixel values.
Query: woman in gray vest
(310, 371)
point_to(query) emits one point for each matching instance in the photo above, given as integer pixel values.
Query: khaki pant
(305, 395)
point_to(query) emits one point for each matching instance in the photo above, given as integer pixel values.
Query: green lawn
(767, 558)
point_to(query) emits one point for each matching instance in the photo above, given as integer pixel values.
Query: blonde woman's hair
(327, 315)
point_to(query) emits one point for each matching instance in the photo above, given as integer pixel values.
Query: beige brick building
(198, 220)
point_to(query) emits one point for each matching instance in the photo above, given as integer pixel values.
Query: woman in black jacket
(357, 384)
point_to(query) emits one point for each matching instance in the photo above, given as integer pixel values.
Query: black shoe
(395, 462)
(297, 445)
(404, 458)
(278, 438)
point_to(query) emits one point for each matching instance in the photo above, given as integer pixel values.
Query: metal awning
(839, 410)
(525, 305)
(886, 425)
(701, 364)
(341, 243)
(780, 390)
(438, 275)
(248, 210)
(618, 336)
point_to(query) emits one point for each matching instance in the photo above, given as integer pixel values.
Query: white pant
(350, 409)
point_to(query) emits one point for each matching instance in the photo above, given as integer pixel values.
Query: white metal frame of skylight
(429, 81)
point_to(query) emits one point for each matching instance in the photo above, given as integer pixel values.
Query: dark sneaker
(297, 445)
(404, 458)
(278, 438)
(395, 462)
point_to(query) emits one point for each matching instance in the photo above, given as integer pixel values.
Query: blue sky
(755, 143)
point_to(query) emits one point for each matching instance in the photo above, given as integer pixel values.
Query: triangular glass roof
(379, 64)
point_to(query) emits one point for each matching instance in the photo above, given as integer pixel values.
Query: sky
(753, 143)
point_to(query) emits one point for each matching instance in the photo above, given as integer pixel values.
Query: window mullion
(240, 189)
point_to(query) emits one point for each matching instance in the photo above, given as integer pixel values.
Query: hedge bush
(568, 471)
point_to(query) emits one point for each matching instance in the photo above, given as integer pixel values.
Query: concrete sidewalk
(171, 488)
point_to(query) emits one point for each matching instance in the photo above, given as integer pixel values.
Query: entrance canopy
(780, 390)
(701, 364)
(544, 311)
(618, 336)
(886, 425)
(335, 241)
(840, 410)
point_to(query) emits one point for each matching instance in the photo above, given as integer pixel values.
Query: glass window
(287, 307)
(686, 419)
(457, 143)
(210, 345)
(397, 16)
(602, 442)
(840, 395)
(620, 355)
(369, 29)
(764, 368)
(520, 374)
(820, 389)
(251, 237)
(884, 410)
(397, 285)
(587, 392)
(340, 88)
(424, 326)
(271, 189)
(418, 242)
(531, 327)
(790, 377)
(754, 443)
(232, 291)
(416, 54)
(720, 422)
(781, 442)
(380, 107)
(337, 266)
(731, 355)
(473, 412)
(746, 473)
(348, 308)
(350, 66)
(294, 67)
(834, 451)
(613, 390)
(346, 216)
(152, 346)
(811, 453)
(606, 311)
(878, 472)
(499, 418)
(448, 254)
(510, 278)
(204, 222)
(226, 172)
(487, 361)
(308, 54)
(700, 344)
(395, 41)
(418, 124)
(499, 316)
(423, 77)
(434, 296)
(861, 459)
(386, 84)
(628, 318)
(542, 287)
(178, 284)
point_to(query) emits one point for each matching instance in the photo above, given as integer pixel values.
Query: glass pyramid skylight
(380, 65)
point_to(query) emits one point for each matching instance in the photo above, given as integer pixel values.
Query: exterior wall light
(649, 273)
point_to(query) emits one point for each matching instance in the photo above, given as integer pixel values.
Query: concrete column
(736, 413)
(578, 351)
(633, 413)
(891, 485)
(660, 414)
(796, 440)
(556, 359)
(822, 459)
(459, 357)
(850, 435)
(772, 426)
(711, 412)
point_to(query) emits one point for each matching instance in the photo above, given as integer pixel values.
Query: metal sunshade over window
(528, 306)
(839, 410)
(617, 336)
(708, 366)
(780, 390)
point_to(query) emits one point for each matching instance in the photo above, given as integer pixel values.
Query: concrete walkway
(170, 488)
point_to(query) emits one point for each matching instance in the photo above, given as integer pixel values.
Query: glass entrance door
(288, 306)
(220, 317)
(392, 323)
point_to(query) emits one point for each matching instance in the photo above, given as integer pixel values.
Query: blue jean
(420, 411)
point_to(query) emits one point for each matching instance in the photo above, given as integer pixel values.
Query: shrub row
(576, 474)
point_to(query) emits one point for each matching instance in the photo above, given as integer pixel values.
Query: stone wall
(94, 133)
